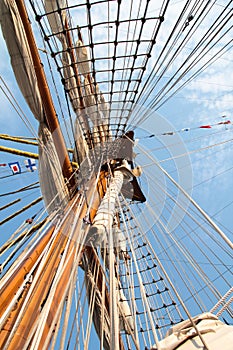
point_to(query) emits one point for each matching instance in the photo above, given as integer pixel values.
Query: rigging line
(57, 327)
(126, 64)
(67, 305)
(210, 179)
(108, 47)
(193, 64)
(178, 79)
(170, 282)
(71, 250)
(26, 140)
(13, 240)
(178, 297)
(10, 204)
(25, 188)
(74, 65)
(103, 299)
(4, 177)
(142, 290)
(131, 292)
(224, 307)
(190, 66)
(22, 116)
(128, 80)
(196, 266)
(177, 51)
(164, 229)
(222, 300)
(152, 292)
(181, 142)
(79, 304)
(92, 298)
(8, 94)
(191, 230)
(189, 214)
(180, 271)
(27, 252)
(20, 211)
(150, 46)
(114, 52)
(131, 280)
(204, 214)
(46, 257)
(194, 75)
(199, 159)
(21, 240)
(153, 73)
(34, 337)
(190, 152)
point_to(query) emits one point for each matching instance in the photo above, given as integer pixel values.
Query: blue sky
(203, 101)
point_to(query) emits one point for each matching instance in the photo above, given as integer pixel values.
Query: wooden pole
(50, 113)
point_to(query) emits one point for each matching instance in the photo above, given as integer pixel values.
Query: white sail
(21, 60)
(52, 182)
(83, 58)
(56, 21)
(184, 336)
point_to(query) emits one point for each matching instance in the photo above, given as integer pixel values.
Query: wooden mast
(50, 113)
(31, 315)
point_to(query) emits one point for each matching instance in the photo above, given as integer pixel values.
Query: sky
(202, 101)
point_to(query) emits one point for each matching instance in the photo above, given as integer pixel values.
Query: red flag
(3, 164)
(205, 127)
(226, 122)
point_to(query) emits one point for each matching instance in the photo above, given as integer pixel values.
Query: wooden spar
(27, 154)
(19, 152)
(18, 139)
(10, 204)
(51, 116)
(21, 210)
(26, 232)
(22, 140)
(17, 278)
(41, 288)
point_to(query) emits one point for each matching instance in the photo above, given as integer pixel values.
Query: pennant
(185, 129)
(168, 133)
(15, 167)
(224, 123)
(30, 164)
(205, 127)
(3, 164)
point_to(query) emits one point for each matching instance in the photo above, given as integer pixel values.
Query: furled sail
(51, 180)
(22, 64)
(70, 68)
(185, 337)
(21, 60)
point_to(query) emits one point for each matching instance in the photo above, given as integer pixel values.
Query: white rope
(222, 300)
(205, 215)
(225, 306)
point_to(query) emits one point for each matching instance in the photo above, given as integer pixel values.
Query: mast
(50, 113)
(119, 249)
